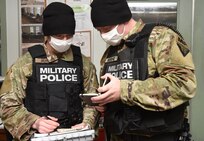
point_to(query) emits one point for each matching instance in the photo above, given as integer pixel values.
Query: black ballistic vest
(131, 63)
(54, 88)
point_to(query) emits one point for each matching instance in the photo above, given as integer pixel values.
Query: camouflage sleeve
(16, 119)
(90, 114)
(169, 57)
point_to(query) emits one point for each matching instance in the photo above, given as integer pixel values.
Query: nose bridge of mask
(113, 34)
(113, 37)
(60, 41)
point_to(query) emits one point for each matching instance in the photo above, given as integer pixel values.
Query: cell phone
(87, 98)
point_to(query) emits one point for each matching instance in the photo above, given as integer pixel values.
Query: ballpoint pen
(104, 83)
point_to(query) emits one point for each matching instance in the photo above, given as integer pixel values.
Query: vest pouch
(74, 101)
(155, 125)
(144, 122)
(57, 97)
(146, 127)
(133, 118)
(113, 119)
(36, 94)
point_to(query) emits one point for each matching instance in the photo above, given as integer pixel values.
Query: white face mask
(60, 45)
(113, 37)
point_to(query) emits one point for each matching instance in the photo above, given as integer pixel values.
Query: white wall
(197, 114)
(99, 48)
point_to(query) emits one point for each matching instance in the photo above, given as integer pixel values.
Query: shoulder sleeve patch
(183, 46)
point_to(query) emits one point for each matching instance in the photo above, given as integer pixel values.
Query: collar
(137, 28)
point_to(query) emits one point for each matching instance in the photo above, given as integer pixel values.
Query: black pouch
(114, 118)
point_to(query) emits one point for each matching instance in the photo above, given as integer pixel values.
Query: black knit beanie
(109, 12)
(58, 18)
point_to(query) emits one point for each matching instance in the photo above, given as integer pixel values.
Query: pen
(104, 83)
(49, 118)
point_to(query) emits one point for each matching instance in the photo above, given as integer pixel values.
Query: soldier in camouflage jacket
(57, 60)
(151, 76)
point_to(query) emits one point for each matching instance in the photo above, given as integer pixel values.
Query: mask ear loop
(123, 30)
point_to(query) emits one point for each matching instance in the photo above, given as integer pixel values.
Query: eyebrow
(62, 35)
(105, 29)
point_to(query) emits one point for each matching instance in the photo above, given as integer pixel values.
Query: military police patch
(57, 73)
(122, 70)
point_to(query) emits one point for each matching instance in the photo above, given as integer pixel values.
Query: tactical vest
(54, 88)
(131, 63)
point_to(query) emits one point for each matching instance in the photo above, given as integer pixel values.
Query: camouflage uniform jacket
(15, 116)
(169, 57)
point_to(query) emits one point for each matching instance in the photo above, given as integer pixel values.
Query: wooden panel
(2, 135)
(101, 135)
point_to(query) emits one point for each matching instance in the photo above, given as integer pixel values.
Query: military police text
(121, 70)
(58, 74)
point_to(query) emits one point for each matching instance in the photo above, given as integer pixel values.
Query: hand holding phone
(87, 97)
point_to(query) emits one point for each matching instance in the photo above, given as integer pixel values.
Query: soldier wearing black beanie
(58, 18)
(139, 64)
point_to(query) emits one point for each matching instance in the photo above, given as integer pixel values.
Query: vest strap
(37, 51)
